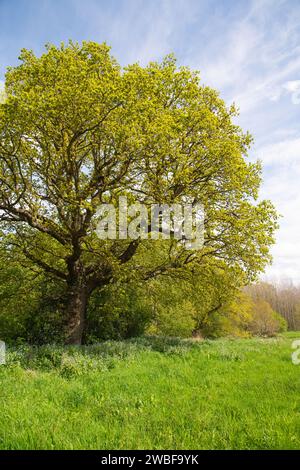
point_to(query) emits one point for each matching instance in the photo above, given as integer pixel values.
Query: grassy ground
(152, 394)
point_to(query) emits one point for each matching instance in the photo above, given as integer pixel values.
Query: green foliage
(243, 317)
(117, 312)
(266, 322)
(77, 130)
(282, 325)
(16, 301)
(283, 297)
(31, 306)
(191, 305)
(45, 323)
(174, 320)
(231, 319)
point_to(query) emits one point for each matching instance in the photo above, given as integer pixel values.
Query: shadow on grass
(77, 360)
(70, 361)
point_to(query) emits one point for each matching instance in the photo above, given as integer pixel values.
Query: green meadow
(152, 393)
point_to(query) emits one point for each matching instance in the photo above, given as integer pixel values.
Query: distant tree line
(283, 297)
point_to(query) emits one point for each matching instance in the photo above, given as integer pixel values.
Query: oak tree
(77, 130)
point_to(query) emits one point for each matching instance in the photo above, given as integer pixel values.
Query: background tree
(284, 298)
(265, 321)
(231, 319)
(76, 130)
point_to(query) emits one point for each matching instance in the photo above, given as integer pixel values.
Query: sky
(248, 50)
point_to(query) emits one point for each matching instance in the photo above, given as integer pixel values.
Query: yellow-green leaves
(77, 130)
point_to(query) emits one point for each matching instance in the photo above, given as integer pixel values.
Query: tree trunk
(76, 314)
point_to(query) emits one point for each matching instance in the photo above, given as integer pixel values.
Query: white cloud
(252, 60)
(281, 185)
(139, 30)
(292, 85)
(281, 153)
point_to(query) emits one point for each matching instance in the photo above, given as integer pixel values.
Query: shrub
(117, 313)
(265, 321)
(31, 309)
(174, 320)
(232, 319)
(244, 317)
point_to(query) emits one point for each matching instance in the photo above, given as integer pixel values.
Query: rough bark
(76, 314)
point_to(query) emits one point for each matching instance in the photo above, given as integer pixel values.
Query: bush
(117, 313)
(174, 320)
(244, 317)
(265, 321)
(232, 319)
(31, 309)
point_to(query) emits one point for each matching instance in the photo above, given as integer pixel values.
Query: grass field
(152, 394)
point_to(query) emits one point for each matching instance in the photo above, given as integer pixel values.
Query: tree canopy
(77, 130)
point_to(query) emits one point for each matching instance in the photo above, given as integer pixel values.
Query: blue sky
(249, 50)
